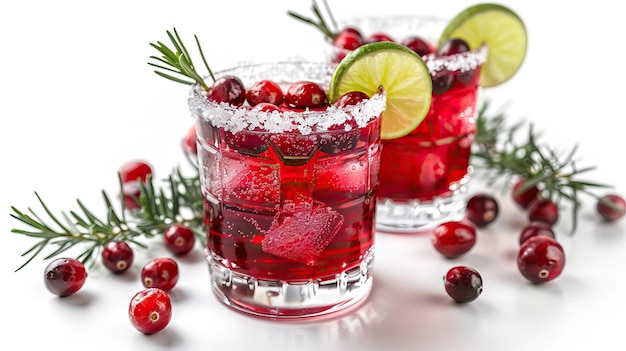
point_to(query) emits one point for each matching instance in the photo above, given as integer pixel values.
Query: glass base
(277, 299)
(417, 216)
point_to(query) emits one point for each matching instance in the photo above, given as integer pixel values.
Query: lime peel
(501, 30)
(399, 71)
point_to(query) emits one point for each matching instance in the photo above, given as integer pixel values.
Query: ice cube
(250, 180)
(303, 235)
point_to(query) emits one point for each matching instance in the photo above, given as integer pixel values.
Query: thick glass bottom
(418, 216)
(278, 299)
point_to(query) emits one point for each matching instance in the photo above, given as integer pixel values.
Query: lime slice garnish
(501, 30)
(399, 71)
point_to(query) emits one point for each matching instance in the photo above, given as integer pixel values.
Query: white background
(78, 99)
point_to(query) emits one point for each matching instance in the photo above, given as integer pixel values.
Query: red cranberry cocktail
(289, 185)
(423, 175)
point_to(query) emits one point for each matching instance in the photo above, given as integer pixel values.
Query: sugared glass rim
(235, 119)
(463, 62)
(437, 65)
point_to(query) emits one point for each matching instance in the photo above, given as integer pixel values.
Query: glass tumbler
(289, 197)
(424, 175)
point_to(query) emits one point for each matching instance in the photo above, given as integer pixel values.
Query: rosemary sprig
(178, 61)
(318, 21)
(496, 151)
(180, 202)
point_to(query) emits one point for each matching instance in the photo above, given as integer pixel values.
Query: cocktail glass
(424, 175)
(289, 198)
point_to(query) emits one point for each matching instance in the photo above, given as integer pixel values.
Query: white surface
(78, 100)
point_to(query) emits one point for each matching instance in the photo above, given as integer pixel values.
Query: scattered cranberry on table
(190, 145)
(463, 284)
(150, 310)
(541, 259)
(136, 170)
(179, 239)
(133, 174)
(543, 210)
(161, 272)
(534, 229)
(523, 195)
(117, 256)
(454, 239)
(65, 276)
(611, 207)
(482, 209)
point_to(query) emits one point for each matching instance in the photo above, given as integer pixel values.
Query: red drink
(433, 160)
(423, 175)
(289, 213)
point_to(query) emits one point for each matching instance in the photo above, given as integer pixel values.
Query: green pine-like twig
(496, 151)
(178, 201)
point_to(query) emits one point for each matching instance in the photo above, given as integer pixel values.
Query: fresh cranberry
(161, 272)
(482, 209)
(541, 259)
(352, 30)
(350, 98)
(137, 170)
(453, 239)
(266, 107)
(378, 37)
(264, 91)
(419, 45)
(536, 229)
(150, 310)
(179, 239)
(611, 207)
(523, 195)
(190, 146)
(305, 94)
(463, 284)
(452, 47)
(347, 40)
(229, 89)
(543, 210)
(65, 276)
(131, 191)
(117, 256)
(442, 83)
